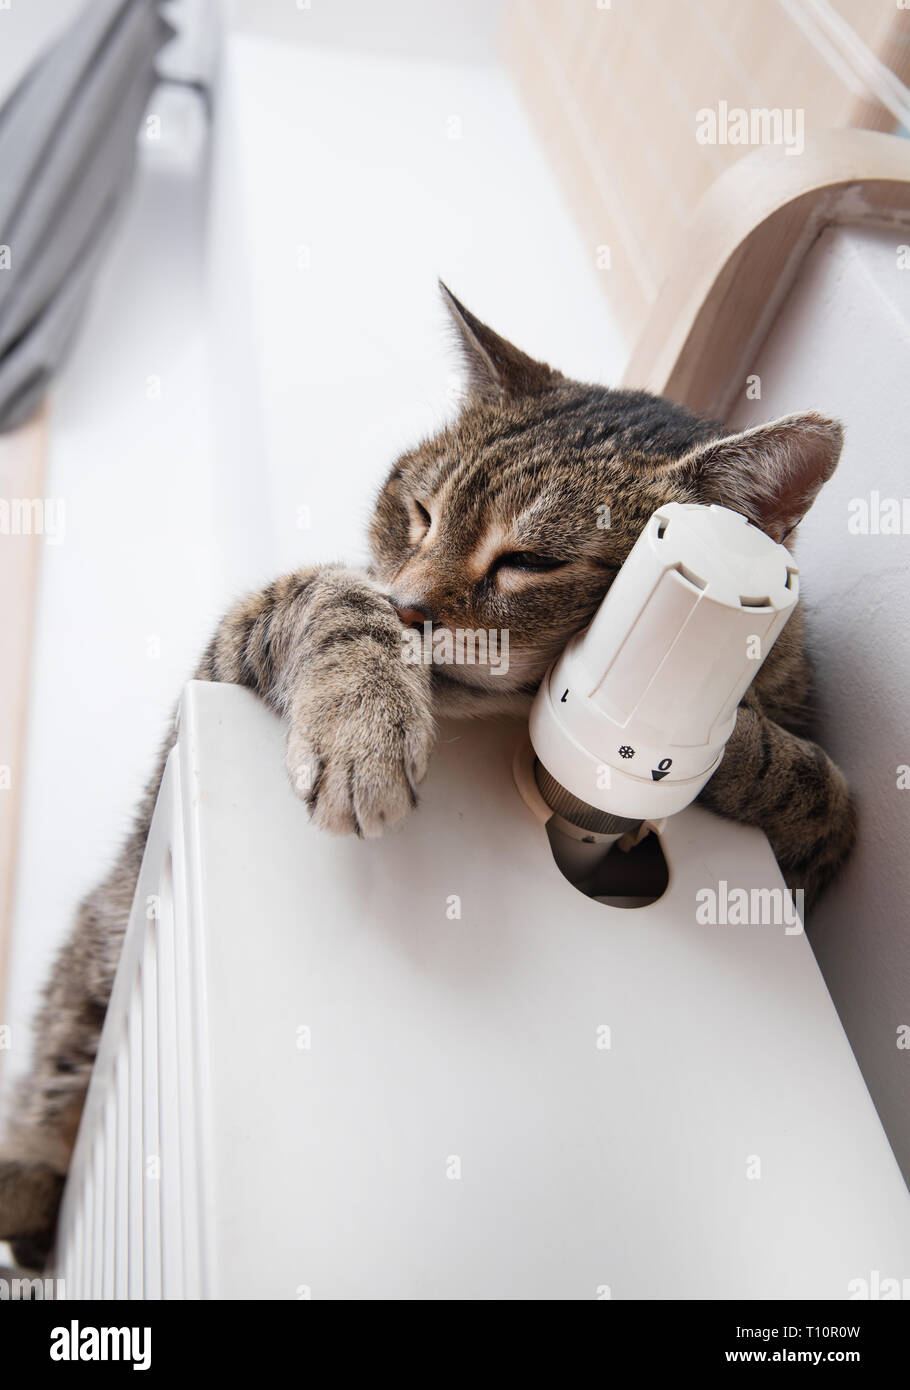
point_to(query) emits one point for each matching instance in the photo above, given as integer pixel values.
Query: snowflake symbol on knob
(626, 751)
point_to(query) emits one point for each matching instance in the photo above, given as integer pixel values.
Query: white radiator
(130, 1224)
(427, 1067)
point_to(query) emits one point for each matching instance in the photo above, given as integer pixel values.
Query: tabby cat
(490, 524)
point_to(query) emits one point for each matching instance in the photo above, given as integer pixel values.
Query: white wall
(126, 601)
(454, 30)
(345, 185)
(842, 346)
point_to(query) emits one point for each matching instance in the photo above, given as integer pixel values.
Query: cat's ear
(772, 472)
(497, 371)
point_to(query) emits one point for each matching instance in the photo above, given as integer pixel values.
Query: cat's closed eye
(528, 560)
(421, 521)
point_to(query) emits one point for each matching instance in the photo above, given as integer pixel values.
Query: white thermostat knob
(633, 718)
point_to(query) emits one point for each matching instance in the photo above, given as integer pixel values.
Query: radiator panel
(130, 1219)
(314, 1082)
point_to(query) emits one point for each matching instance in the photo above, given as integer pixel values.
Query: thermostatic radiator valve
(633, 718)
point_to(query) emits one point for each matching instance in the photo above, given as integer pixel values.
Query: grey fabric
(67, 149)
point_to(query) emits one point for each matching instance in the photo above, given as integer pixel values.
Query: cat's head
(518, 515)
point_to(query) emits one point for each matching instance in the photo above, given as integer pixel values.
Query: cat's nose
(411, 616)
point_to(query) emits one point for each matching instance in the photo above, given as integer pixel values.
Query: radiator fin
(129, 1224)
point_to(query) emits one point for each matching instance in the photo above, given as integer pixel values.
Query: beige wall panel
(615, 92)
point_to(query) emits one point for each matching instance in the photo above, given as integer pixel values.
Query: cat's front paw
(361, 725)
(359, 777)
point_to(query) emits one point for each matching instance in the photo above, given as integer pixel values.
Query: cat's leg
(48, 1104)
(790, 789)
(324, 648)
